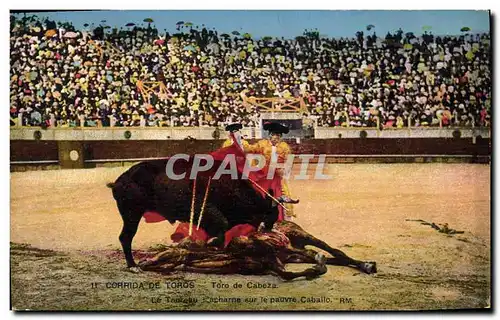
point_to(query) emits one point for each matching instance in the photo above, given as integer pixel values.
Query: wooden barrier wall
(26, 150)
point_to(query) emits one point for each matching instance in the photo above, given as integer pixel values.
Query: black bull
(146, 187)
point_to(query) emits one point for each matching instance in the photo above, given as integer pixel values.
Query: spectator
(93, 76)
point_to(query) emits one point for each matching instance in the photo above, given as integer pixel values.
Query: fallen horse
(259, 253)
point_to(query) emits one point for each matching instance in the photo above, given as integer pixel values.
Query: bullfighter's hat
(233, 127)
(274, 127)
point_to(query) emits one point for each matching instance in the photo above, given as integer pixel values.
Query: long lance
(192, 208)
(268, 194)
(204, 202)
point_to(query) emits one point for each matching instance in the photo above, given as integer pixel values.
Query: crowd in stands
(63, 77)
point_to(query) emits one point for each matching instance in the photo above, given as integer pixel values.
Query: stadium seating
(140, 76)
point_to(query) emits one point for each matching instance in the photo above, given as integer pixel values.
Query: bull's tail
(110, 185)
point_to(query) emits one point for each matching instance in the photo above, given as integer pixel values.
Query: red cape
(182, 232)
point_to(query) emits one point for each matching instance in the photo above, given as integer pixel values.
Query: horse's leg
(277, 267)
(300, 238)
(295, 255)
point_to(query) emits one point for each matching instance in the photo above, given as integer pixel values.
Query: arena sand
(65, 227)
